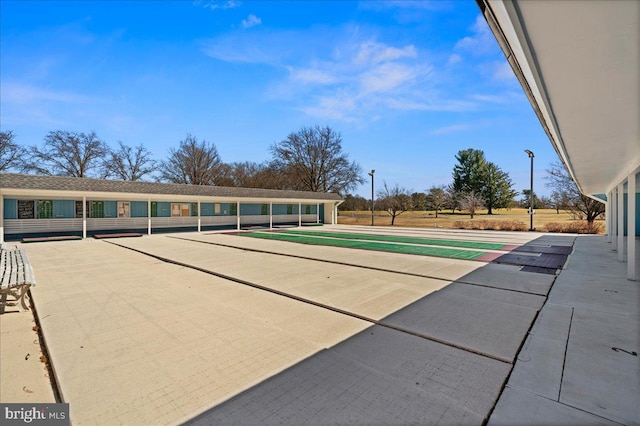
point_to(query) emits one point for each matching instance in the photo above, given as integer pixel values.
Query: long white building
(34, 205)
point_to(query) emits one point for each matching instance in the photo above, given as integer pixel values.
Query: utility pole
(372, 201)
(531, 191)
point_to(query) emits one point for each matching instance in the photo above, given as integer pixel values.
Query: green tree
(419, 200)
(469, 173)
(497, 190)
(474, 173)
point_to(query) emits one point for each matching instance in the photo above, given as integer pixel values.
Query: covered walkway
(579, 364)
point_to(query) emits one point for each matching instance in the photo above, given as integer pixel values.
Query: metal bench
(16, 274)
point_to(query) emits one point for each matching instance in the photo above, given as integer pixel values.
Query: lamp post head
(372, 172)
(529, 153)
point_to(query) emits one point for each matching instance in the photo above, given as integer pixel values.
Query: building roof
(86, 185)
(578, 62)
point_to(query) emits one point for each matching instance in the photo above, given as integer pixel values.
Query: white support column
(607, 216)
(299, 214)
(270, 214)
(199, 222)
(84, 217)
(1, 218)
(614, 219)
(632, 255)
(238, 214)
(317, 212)
(620, 210)
(148, 216)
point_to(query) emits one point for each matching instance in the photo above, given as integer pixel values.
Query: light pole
(531, 191)
(372, 202)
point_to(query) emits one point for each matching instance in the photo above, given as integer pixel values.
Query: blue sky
(407, 83)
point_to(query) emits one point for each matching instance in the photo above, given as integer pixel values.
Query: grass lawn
(513, 219)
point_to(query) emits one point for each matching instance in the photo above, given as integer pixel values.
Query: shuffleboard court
(219, 329)
(370, 245)
(401, 239)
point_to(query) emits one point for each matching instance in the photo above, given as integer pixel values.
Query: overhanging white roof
(579, 63)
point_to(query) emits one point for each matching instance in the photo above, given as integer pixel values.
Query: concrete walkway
(580, 363)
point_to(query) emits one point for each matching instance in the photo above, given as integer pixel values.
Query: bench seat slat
(16, 273)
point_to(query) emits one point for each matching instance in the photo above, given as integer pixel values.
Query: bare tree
(438, 198)
(129, 163)
(453, 198)
(471, 202)
(395, 200)
(68, 154)
(194, 163)
(566, 192)
(11, 154)
(312, 159)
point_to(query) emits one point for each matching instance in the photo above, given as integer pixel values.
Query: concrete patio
(245, 331)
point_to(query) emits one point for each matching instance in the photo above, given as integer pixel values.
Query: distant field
(545, 220)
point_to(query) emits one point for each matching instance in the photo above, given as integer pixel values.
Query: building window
(124, 209)
(79, 209)
(178, 210)
(45, 209)
(96, 210)
(26, 209)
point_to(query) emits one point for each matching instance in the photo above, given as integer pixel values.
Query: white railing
(170, 222)
(218, 220)
(27, 226)
(254, 219)
(309, 218)
(116, 223)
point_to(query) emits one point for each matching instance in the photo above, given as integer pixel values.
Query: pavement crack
(564, 359)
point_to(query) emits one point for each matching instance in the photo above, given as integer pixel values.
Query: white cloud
(213, 5)
(454, 59)
(249, 47)
(311, 76)
(342, 74)
(387, 77)
(494, 99)
(24, 104)
(380, 5)
(480, 42)
(251, 21)
(373, 53)
(18, 93)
